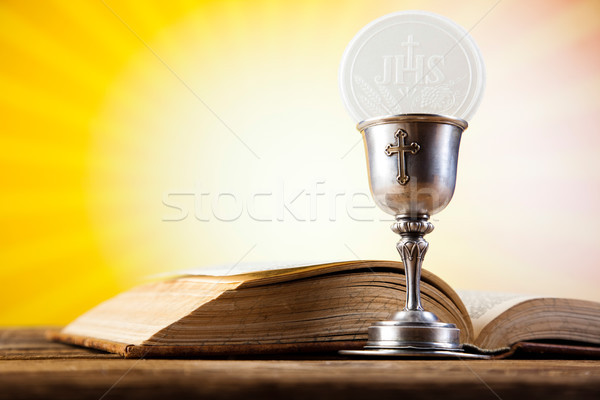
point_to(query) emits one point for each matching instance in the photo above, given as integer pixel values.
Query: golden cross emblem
(400, 148)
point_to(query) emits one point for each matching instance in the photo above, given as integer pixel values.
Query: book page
(272, 272)
(483, 307)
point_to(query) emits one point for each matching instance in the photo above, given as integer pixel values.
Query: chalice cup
(412, 161)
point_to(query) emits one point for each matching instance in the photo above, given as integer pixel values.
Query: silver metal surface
(412, 248)
(412, 161)
(432, 169)
(408, 353)
(414, 329)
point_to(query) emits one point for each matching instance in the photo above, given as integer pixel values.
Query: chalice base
(416, 334)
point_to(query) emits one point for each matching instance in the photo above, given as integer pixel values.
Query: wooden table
(31, 367)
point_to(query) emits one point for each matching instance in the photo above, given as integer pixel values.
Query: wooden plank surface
(30, 344)
(31, 367)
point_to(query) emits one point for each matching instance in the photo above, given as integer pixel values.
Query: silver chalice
(412, 161)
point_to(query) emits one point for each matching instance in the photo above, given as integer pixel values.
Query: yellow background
(110, 111)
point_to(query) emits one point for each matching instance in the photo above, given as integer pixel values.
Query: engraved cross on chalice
(401, 148)
(412, 161)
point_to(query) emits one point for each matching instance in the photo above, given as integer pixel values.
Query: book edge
(173, 351)
(122, 349)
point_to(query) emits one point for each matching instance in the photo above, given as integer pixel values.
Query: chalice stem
(412, 267)
(412, 248)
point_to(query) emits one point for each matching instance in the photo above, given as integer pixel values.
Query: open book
(316, 308)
